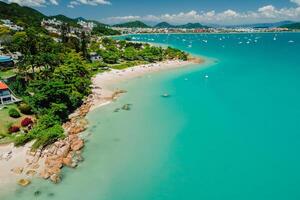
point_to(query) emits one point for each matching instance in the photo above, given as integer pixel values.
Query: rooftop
(3, 86)
(5, 58)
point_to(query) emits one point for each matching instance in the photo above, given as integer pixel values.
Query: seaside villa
(6, 95)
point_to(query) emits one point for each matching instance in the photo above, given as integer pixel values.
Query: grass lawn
(7, 73)
(6, 121)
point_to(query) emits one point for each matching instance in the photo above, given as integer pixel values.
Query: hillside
(262, 25)
(23, 16)
(192, 26)
(134, 24)
(28, 17)
(292, 26)
(187, 26)
(65, 19)
(164, 25)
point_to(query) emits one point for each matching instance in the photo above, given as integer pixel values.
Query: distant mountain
(192, 26)
(65, 19)
(262, 25)
(23, 16)
(292, 26)
(134, 24)
(164, 25)
(187, 26)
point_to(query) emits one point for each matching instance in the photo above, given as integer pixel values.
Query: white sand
(11, 158)
(102, 83)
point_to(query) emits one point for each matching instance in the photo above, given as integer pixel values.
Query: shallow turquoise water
(234, 135)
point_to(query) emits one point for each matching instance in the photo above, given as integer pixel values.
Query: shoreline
(21, 163)
(103, 92)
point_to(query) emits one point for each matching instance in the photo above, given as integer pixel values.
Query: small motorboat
(165, 95)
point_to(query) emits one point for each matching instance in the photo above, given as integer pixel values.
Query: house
(6, 62)
(95, 57)
(6, 95)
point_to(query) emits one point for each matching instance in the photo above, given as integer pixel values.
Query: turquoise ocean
(230, 129)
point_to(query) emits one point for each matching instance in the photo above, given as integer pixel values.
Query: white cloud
(72, 4)
(54, 2)
(296, 2)
(34, 3)
(267, 13)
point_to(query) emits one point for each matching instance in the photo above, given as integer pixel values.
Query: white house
(6, 95)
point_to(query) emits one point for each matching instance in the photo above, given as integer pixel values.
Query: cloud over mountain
(266, 13)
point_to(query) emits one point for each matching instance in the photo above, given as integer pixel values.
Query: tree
(130, 54)
(4, 31)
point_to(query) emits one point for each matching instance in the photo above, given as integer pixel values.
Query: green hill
(65, 19)
(134, 24)
(23, 16)
(164, 25)
(292, 26)
(192, 26)
(187, 26)
(28, 17)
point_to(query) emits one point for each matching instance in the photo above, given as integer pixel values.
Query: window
(4, 93)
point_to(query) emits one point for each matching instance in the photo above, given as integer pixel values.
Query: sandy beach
(19, 163)
(104, 93)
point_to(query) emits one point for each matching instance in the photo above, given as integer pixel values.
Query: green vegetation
(14, 113)
(292, 26)
(134, 24)
(124, 54)
(7, 73)
(22, 16)
(4, 30)
(102, 30)
(7, 122)
(52, 79)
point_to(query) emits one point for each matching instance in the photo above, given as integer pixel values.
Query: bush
(26, 122)
(14, 113)
(22, 139)
(48, 136)
(13, 129)
(25, 109)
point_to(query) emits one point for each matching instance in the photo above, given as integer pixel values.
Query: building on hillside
(9, 24)
(6, 95)
(95, 57)
(6, 62)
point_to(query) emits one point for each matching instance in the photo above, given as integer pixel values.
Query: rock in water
(37, 193)
(55, 178)
(126, 107)
(24, 182)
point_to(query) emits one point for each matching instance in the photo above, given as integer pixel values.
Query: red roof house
(6, 95)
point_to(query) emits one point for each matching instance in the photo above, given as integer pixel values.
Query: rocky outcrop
(24, 182)
(61, 153)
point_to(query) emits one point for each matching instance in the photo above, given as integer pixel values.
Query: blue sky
(173, 11)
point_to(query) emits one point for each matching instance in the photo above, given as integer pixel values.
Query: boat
(165, 95)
